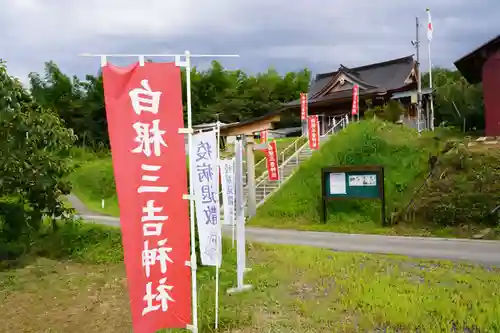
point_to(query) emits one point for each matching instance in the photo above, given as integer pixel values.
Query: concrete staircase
(288, 166)
(296, 155)
(265, 186)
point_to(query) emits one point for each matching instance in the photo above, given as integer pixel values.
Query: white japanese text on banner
(204, 167)
(228, 190)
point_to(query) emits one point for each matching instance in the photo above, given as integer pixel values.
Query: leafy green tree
(455, 99)
(393, 110)
(230, 94)
(33, 158)
(94, 131)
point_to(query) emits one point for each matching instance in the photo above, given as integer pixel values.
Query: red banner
(303, 106)
(313, 130)
(144, 113)
(272, 161)
(263, 136)
(355, 100)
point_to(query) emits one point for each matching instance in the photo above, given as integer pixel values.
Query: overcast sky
(285, 34)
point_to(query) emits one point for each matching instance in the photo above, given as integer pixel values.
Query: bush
(464, 189)
(375, 112)
(391, 112)
(34, 159)
(84, 242)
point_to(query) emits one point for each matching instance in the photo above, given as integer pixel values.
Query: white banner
(228, 190)
(205, 178)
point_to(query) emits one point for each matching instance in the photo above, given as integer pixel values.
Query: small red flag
(272, 161)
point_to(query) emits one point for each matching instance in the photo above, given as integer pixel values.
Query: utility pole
(416, 43)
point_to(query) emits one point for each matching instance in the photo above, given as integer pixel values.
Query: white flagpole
(430, 86)
(194, 295)
(219, 238)
(429, 38)
(240, 220)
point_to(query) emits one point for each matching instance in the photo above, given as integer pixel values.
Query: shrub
(34, 159)
(464, 189)
(390, 112)
(374, 112)
(393, 111)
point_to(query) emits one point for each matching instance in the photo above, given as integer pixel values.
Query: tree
(33, 155)
(453, 93)
(231, 94)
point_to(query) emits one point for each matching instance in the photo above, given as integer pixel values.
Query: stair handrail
(294, 144)
(264, 174)
(297, 152)
(258, 163)
(282, 165)
(296, 156)
(332, 129)
(281, 168)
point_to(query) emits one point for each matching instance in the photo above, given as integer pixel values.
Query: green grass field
(74, 281)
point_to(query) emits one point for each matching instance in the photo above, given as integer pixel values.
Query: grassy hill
(401, 150)
(93, 181)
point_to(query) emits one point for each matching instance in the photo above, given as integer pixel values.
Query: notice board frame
(370, 169)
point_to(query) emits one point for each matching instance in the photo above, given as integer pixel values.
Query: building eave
(471, 64)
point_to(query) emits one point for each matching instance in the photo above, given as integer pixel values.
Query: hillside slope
(402, 152)
(464, 188)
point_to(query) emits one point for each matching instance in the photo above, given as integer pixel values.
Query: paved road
(478, 251)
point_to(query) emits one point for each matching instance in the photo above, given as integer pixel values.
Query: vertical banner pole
(419, 75)
(430, 29)
(235, 210)
(239, 212)
(219, 238)
(191, 194)
(430, 86)
(240, 220)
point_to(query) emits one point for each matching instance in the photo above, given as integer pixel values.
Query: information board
(353, 182)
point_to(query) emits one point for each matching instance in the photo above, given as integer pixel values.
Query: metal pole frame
(240, 220)
(419, 76)
(189, 131)
(431, 86)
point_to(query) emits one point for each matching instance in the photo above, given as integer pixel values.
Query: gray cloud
(284, 34)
